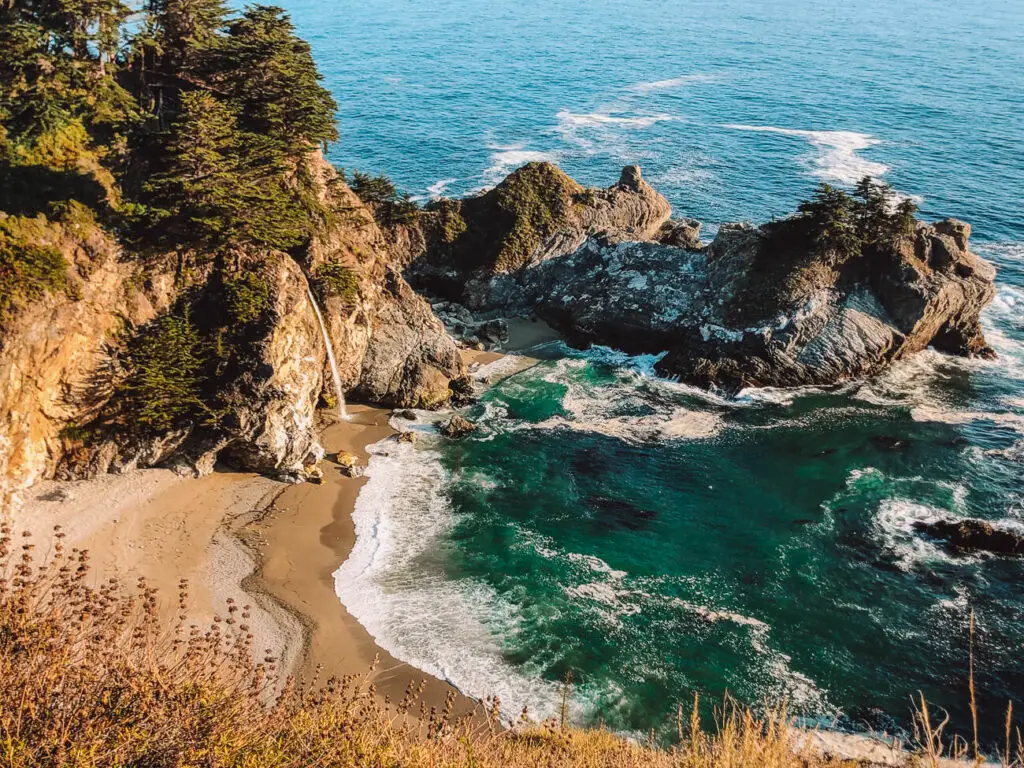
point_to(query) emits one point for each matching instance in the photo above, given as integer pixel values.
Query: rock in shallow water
(970, 535)
(457, 426)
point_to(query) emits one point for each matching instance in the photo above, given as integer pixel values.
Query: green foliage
(208, 142)
(832, 217)
(389, 206)
(334, 280)
(451, 223)
(535, 199)
(220, 185)
(184, 30)
(28, 269)
(246, 297)
(166, 362)
(843, 225)
(271, 79)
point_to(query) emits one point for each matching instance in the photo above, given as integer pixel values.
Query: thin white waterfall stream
(342, 412)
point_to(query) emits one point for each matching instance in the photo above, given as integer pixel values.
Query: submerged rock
(970, 535)
(457, 426)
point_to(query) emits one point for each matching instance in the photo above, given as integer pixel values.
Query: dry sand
(239, 535)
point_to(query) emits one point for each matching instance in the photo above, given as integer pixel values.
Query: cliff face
(62, 356)
(536, 214)
(748, 311)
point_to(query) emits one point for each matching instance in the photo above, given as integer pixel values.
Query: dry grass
(91, 678)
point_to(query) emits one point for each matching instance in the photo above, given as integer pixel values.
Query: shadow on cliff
(28, 190)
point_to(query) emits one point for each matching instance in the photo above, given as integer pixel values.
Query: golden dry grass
(90, 678)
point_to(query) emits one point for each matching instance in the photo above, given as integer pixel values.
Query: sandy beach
(239, 535)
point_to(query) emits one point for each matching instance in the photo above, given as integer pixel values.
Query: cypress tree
(196, 193)
(833, 218)
(271, 76)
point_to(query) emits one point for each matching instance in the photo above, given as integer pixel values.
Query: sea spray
(342, 412)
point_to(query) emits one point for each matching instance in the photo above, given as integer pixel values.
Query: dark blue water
(649, 538)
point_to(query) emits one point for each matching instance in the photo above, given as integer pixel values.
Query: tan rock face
(53, 353)
(58, 356)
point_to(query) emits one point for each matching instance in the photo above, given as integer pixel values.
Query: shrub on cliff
(246, 297)
(334, 280)
(389, 206)
(843, 225)
(166, 361)
(28, 269)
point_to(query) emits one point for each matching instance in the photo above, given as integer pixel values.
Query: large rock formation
(759, 306)
(61, 356)
(536, 214)
(740, 313)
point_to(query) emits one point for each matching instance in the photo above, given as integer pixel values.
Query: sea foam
(836, 155)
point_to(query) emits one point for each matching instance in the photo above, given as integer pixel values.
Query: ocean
(651, 539)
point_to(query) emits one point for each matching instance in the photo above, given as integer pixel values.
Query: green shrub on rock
(27, 269)
(246, 297)
(164, 385)
(334, 280)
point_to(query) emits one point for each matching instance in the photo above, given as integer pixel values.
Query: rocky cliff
(186, 358)
(777, 305)
(66, 357)
(536, 214)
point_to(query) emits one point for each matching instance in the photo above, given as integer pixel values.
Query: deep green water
(649, 538)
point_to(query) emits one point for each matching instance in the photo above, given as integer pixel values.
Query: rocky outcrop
(61, 358)
(969, 536)
(536, 214)
(457, 426)
(681, 233)
(760, 307)
(390, 347)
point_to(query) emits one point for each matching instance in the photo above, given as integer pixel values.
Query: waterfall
(342, 413)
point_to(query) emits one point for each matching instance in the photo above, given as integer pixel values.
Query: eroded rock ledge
(758, 306)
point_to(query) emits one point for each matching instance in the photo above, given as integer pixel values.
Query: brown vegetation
(91, 678)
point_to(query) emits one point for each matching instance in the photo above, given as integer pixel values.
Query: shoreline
(299, 541)
(258, 541)
(277, 546)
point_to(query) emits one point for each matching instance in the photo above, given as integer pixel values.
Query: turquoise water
(652, 539)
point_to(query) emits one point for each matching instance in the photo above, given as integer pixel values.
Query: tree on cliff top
(221, 185)
(269, 75)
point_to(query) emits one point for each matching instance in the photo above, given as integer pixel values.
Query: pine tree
(222, 185)
(164, 386)
(833, 218)
(185, 29)
(270, 74)
(197, 192)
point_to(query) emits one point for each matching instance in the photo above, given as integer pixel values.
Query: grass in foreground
(92, 677)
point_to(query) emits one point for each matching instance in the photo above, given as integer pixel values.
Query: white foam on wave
(451, 629)
(606, 132)
(836, 155)
(610, 408)
(571, 120)
(435, 191)
(894, 525)
(675, 82)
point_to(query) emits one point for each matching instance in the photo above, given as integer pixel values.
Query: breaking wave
(836, 155)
